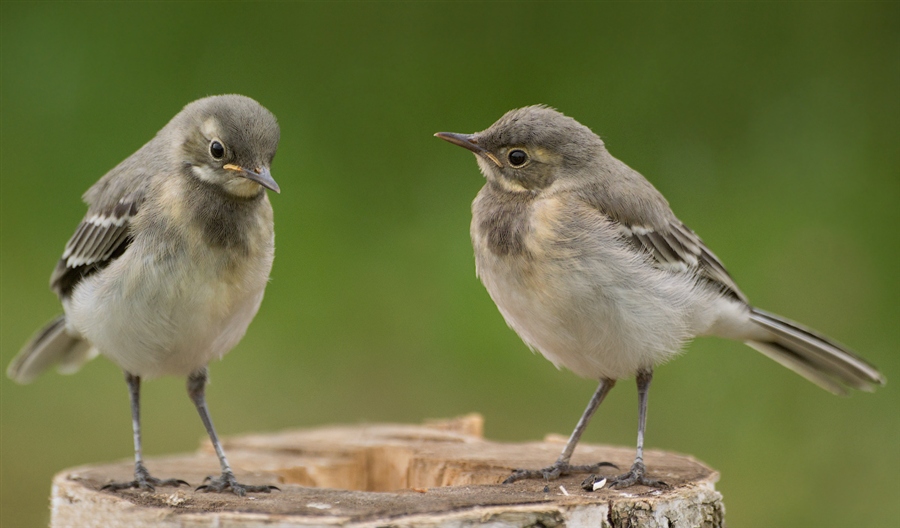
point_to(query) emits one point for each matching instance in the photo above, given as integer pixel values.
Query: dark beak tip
(272, 185)
(466, 141)
(453, 136)
(263, 177)
(446, 136)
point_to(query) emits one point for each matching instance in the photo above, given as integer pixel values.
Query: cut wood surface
(440, 474)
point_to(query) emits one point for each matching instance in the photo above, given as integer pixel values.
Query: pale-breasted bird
(589, 265)
(169, 266)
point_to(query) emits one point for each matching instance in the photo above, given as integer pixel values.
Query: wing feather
(646, 221)
(102, 236)
(675, 247)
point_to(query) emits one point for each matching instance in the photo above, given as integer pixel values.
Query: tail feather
(52, 345)
(791, 360)
(817, 358)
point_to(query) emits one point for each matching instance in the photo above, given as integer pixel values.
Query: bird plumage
(630, 282)
(169, 265)
(586, 261)
(203, 260)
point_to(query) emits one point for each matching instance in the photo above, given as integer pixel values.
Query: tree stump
(440, 474)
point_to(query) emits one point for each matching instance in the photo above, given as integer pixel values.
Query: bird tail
(815, 357)
(52, 345)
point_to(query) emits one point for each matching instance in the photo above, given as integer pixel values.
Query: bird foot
(226, 482)
(637, 475)
(554, 472)
(143, 481)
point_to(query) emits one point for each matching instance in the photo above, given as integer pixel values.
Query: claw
(636, 476)
(143, 480)
(227, 482)
(554, 472)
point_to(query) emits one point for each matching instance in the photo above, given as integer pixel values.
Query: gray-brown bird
(169, 266)
(589, 265)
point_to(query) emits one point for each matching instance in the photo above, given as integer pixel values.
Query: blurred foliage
(772, 129)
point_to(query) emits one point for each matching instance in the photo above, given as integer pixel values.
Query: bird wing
(102, 236)
(645, 220)
(674, 246)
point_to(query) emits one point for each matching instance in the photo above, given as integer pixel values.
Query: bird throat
(501, 219)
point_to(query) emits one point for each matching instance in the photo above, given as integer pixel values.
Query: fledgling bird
(170, 263)
(589, 265)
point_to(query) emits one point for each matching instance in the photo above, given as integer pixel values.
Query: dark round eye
(517, 157)
(216, 149)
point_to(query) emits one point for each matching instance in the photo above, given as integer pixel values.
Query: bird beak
(468, 141)
(261, 176)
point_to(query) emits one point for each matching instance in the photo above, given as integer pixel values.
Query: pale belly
(590, 307)
(167, 319)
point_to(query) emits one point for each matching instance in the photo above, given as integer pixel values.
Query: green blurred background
(772, 129)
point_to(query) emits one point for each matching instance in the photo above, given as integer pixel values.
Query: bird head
(228, 141)
(529, 148)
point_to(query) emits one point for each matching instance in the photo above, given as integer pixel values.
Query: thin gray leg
(142, 478)
(196, 387)
(562, 467)
(643, 385)
(637, 475)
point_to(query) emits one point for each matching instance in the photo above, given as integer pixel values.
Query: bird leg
(142, 479)
(562, 467)
(196, 386)
(637, 474)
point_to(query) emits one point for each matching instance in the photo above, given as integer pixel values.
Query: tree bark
(440, 474)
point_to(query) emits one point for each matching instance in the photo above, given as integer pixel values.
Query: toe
(225, 484)
(171, 482)
(117, 486)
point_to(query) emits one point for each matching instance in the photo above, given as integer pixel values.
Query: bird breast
(567, 283)
(179, 297)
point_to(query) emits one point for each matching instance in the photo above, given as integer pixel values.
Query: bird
(588, 264)
(168, 267)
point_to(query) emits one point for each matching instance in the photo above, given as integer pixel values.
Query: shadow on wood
(439, 474)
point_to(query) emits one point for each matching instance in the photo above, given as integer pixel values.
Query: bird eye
(216, 149)
(517, 157)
